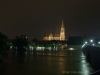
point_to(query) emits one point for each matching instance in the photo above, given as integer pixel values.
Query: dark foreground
(60, 62)
(92, 54)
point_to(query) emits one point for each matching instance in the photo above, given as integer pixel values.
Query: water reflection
(47, 61)
(39, 48)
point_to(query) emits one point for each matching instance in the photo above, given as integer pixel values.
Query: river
(46, 62)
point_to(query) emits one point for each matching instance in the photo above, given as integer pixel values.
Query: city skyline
(36, 18)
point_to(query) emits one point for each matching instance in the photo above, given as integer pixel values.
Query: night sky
(35, 18)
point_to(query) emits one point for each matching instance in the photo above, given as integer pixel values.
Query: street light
(91, 40)
(98, 42)
(86, 42)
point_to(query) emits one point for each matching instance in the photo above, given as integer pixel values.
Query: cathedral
(60, 36)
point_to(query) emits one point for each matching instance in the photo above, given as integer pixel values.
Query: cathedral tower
(62, 31)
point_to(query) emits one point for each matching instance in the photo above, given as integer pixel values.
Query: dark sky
(35, 18)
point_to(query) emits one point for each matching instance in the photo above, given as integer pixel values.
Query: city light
(98, 42)
(71, 49)
(86, 42)
(11, 46)
(91, 40)
(83, 45)
(49, 48)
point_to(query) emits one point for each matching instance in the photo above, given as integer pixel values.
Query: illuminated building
(60, 36)
(48, 37)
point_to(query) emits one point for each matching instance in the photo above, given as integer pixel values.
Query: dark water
(47, 62)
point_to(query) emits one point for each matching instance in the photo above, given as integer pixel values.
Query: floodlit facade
(48, 37)
(62, 32)
(60, 36)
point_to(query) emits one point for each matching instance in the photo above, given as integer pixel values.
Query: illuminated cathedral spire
(62, 31)
(60, 36)
(62, 24)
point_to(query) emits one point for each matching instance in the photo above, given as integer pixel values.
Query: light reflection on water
(46, 62)
(42, 48)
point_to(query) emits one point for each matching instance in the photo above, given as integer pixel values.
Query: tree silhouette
(20, 43)
(34, 40)
(3, 46)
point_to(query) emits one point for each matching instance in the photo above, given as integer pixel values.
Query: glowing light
(98, 42)
(49, 48)
(71, 49)
(93, 44)
(11, 47)
(83, 45)
(91, 40)
(31, 47)
(39, 48)
(86, 42)
(43, 48)
(83, 61)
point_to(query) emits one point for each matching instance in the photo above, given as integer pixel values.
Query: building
(60, 36)
(75, 43)
(75, 40)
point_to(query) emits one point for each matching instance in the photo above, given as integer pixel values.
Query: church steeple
(62, 24)
(62, 31)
